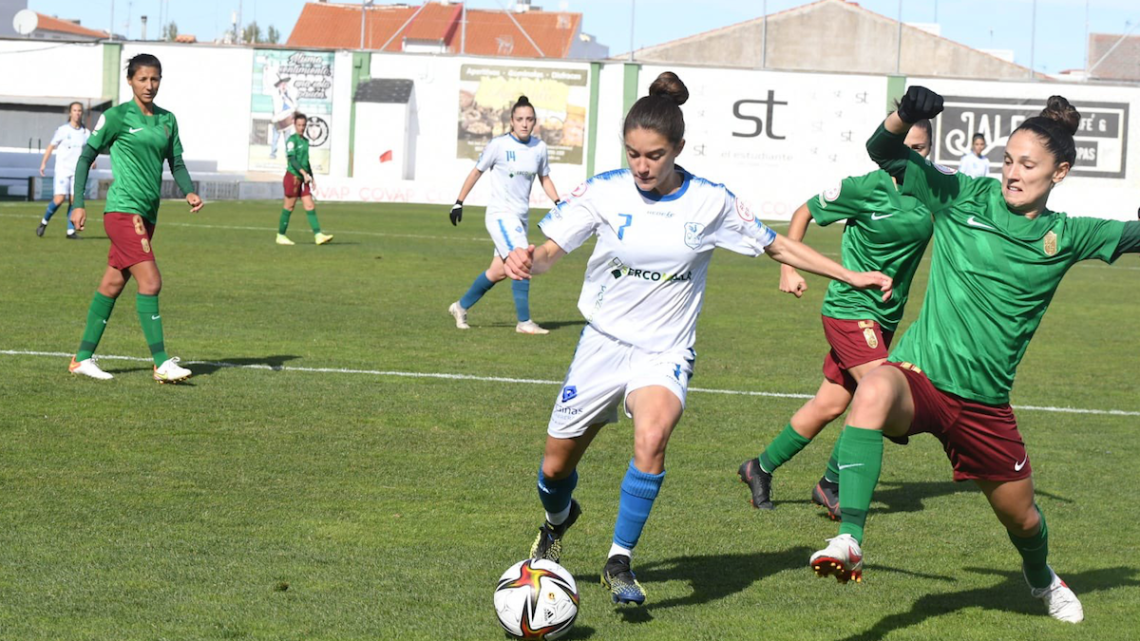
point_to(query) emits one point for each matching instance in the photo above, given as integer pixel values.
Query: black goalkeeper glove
(456, 214)
(919, 103)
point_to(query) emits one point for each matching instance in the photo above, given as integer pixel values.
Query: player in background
(140, 136)
(975, 164)
(657, 226)
(999, 256)
(299, 183)
(885, 231)
(69, 139)
(514, 159)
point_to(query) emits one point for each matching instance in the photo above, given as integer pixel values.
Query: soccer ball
(536, 599)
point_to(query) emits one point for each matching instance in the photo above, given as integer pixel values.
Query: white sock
(43, 221)
(558, 518)
(617, 549)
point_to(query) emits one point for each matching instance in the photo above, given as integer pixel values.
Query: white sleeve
(56, 139)
(740, 230)
(571, 223)
(487, 158)
(544, 162)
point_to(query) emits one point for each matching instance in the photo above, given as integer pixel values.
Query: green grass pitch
(318, 503)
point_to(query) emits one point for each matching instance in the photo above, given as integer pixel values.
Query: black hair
(140, 61)
(660, 111)
(1056, 125)
(523, 102)
(300, 116)
(75, 102)
(978, 136)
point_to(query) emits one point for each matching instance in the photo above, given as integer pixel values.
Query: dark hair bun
(523, 100)
(668, 84)
(1058, 109)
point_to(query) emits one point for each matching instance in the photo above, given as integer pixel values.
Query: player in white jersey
(974, 163)
(657, 226)
(69, 139)
(514, 160)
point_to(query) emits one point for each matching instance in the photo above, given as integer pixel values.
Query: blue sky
(996, 24)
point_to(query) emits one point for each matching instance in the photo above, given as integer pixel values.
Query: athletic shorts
(604, 372)
(853, 343)
(981, 441)
(295, 187)
(130, 236)
(508, 232)
(63, 184)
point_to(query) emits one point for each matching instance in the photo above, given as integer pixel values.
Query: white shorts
(508, 232)
(604, 372)
(63, 184)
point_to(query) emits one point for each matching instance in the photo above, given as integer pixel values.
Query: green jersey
(297, 150)
(992, 276)
(138, 144)
(886, 231)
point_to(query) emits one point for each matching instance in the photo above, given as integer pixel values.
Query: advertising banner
(286, 82)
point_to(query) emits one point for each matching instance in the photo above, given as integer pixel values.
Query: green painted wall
(896, 89)
(592, 134)
(629, 95)
(112, 70)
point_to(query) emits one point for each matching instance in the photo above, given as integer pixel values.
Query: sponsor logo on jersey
(566, 410)
(569, 393)
(1051, 244)
(694, 233)
(744, 211)
(523, 174)
(646, 274)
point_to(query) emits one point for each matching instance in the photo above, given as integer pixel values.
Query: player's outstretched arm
(886, 146)
(791, 282)
(522, 264)
(800, 256)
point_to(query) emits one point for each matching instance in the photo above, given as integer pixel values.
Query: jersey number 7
(628, 220)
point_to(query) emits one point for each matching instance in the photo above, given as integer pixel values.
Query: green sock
(152, 327)
(782, 449)
(832, 473)
(860, 461)
(283, 224)
(1034, 552)
(312, 214)
(97, 316)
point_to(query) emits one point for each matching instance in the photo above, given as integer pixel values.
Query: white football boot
(1062, 603)
(460, 315)
(842, 558)
(171, 372)
(88, 367)
(530, 327)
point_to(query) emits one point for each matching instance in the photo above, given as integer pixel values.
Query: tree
(252, 33)
(272, 36)
(170, 31)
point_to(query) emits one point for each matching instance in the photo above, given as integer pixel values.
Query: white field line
(502, 379)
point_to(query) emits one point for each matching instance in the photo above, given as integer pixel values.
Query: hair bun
(523, 100)
(669, 85)
(1059, 110)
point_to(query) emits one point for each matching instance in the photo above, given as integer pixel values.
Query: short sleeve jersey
(513, 165)
(645, 281)
(138, 144)
(68, 142)
(993, 275)
(886, 231)
(297, 148)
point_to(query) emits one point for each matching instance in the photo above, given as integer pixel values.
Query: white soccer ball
(536, 599)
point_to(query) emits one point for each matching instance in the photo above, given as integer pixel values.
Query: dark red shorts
(295, 187)
(130, 236)
(853, 343)
(981, 441)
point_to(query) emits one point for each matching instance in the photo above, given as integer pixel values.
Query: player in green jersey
(299, 183)
(140, 136)
(885, 231)
(999, 256)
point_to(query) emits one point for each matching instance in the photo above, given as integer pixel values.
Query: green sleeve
(81, 168)
(294, 166)
(933, 185)
(181, 175)
(889, 152)
(291, 155)
(106, 131)
(1095, 238)
(847, 200)
(1129, 240)
(175, 139)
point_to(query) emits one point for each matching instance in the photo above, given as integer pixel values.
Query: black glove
(456, 214)
(919, 103)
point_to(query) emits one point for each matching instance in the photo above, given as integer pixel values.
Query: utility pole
(764, 39)
(1033, 39)
(632, 14)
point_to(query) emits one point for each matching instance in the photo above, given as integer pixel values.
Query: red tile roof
(49, 23)
(337, 26)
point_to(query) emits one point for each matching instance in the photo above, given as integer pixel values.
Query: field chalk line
(501, 379)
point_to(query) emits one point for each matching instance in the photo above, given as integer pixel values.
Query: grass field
(317, 492)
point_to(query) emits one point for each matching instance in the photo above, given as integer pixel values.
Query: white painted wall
(50, 69)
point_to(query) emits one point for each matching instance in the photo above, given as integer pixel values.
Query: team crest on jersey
(868, 328)
(949, 171)
(99, 125)
(694, 232)
(830, 195)
(579, 191)
(1051, 244)
(744, 211)
(569, 393)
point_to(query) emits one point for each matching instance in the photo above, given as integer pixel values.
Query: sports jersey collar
(668, 197)
(528, 140)
(1021, 227)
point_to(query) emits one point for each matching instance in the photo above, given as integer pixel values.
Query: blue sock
(70, 225)
(521, 291)
(50, 211)
(555, 495)
(481, 286)
(638, 490)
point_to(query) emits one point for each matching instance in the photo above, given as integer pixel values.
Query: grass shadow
(275, 363)
(551, 325)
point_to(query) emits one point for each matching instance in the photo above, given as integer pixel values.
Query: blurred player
(299, 183)
(999, 256)
(657, 226)
(975, 164)
(140, 136)
(69, 139)
(885, 231)
(516, 159)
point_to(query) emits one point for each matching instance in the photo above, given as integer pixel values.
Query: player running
(657, 226)
(140, 135)
(884, 230)
(299, 183)
(515, 158)
(999, 255)
(69, 139)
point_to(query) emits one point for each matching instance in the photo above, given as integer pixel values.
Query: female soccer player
(69, 138)
(657, 226)
(999, 255)
(884, 230)
(516, 159)
(140, 136)
(298, 183)
(975, 164)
